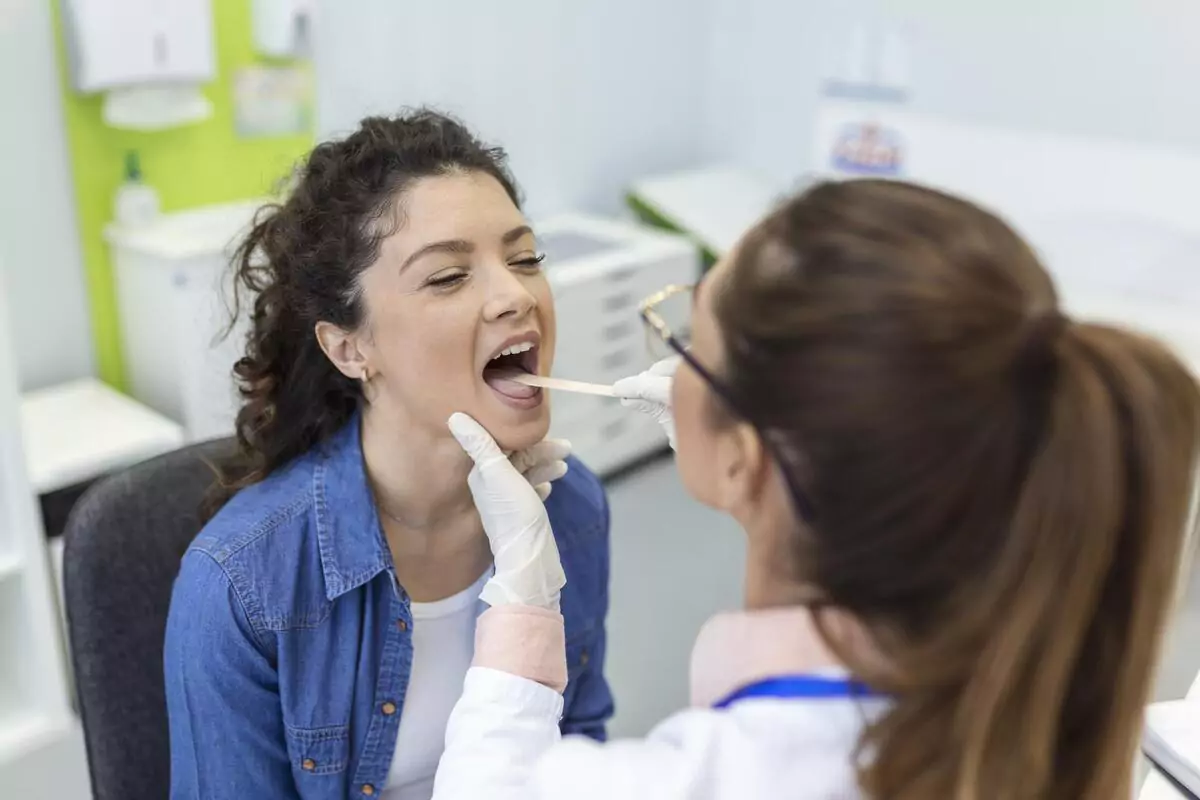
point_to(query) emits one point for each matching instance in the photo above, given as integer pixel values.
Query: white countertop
(1156, 786)
(81, 430)
(177, 235)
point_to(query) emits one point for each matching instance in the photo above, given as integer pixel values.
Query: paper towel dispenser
(118, 43)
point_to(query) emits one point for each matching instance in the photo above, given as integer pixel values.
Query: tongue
(501, 380)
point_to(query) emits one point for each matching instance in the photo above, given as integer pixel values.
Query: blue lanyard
(809, 687)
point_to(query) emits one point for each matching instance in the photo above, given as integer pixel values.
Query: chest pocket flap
(318, 751)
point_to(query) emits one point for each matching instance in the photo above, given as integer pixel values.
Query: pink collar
(738, 648)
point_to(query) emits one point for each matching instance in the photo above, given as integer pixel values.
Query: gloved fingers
(629, 388)
(652, 388)
(546, 472)
(543, 490)
(667, 367)
(476, 441)
(545, 451)
(645, 407)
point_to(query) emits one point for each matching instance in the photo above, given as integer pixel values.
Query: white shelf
(35, 710)
(80, 430)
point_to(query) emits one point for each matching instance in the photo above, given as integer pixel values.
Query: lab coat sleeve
(499, 730)
(503, 743)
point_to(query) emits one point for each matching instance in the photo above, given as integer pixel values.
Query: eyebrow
(516, 233)
(461, 245)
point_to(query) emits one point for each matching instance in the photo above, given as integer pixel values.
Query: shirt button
(584, 658)
(308, 764)
(368, 790)
(388, 709)
(401, 624)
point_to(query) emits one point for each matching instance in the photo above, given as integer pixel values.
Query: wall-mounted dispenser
(149, 57)
(282, 27)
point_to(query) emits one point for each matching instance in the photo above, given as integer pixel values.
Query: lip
(531, 336)
(536, 397)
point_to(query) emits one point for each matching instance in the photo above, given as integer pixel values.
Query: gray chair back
(123, 543)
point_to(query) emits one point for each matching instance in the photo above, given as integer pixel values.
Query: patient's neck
(419, 481)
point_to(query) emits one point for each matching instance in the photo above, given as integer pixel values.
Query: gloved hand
(542, 464)
(650, 393)
(528, 570)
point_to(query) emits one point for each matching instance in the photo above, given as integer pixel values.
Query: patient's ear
(344, 349)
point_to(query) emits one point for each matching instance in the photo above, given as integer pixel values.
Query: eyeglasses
(667, 314)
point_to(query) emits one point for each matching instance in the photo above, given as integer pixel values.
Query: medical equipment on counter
(172, 278)
(600, 270)
(564, 385)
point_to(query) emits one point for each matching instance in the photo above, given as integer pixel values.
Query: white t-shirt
(443, 635)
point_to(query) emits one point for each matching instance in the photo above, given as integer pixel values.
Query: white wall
(588, 94)
(39, 238)
(585, 94)
(1126, 69)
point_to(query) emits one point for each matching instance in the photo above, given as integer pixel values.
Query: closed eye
(531, 263)
(446, 280)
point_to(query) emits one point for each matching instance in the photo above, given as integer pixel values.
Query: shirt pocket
(318, 751)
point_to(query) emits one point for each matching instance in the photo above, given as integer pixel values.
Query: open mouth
(514, 359)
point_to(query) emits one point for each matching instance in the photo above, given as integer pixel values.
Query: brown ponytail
(1062, 636)
(1000, 495)
(300, 264)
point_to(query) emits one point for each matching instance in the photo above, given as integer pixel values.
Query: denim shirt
(289, 640)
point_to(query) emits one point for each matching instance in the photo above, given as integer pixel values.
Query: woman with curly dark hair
(324, 619)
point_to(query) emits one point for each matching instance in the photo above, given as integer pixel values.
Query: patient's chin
(521, 436)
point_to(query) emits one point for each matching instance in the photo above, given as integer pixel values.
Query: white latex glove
(543, 464)
(528, 570)
(650, 393)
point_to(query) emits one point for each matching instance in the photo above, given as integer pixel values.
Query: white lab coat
(503, 743)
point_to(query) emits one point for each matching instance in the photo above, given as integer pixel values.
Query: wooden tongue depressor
(563, 384)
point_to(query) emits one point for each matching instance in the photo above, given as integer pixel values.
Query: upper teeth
(514, 349)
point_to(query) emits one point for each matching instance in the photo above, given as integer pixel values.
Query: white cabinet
(600, 270)
(173, 295)
(35, 712)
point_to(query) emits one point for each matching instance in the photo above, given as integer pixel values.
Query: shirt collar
(353, 550)
(739, 648)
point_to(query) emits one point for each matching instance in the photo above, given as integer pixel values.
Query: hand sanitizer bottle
(135, 202)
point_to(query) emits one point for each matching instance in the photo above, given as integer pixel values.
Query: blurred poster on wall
(273, 101)
(1114, 221)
